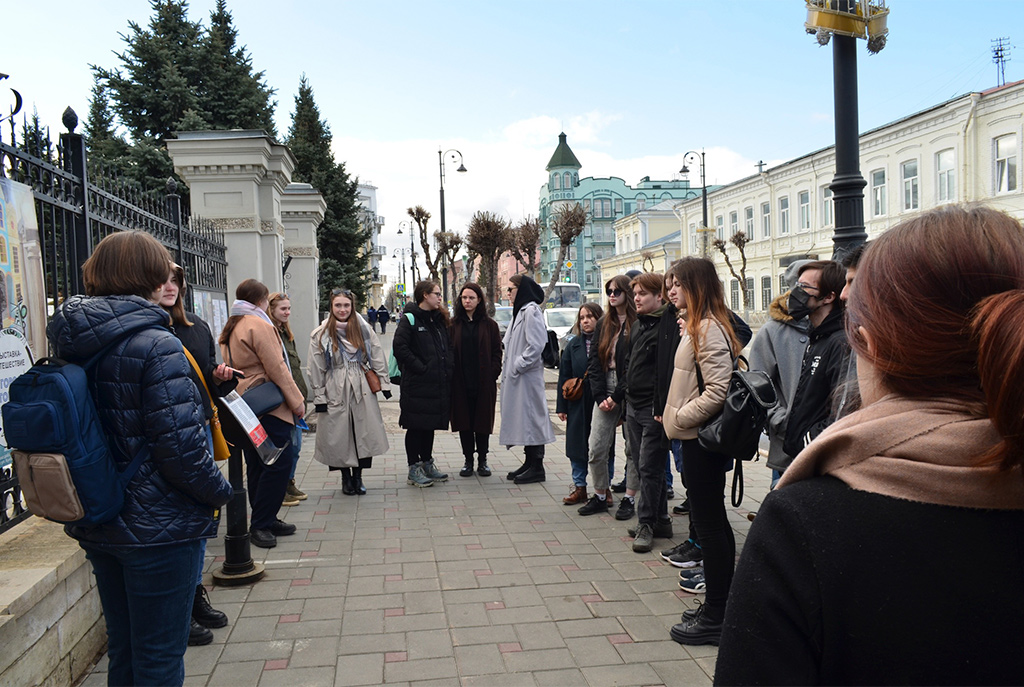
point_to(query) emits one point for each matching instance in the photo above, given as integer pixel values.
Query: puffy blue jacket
(145, 400)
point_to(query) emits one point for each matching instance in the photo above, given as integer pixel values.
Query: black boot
(347, 487)
(482, 468)
(518, 471)
(205, 614)
(198, 635)
(467, 469)
(535, 462)
(357, 482)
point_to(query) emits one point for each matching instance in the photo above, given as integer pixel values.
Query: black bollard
(239, 567)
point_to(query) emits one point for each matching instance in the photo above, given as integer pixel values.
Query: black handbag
(263, 398)
(736, 430)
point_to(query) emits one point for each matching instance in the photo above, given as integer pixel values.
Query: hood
(529, 292)
(779, 311)
(833, 321)
(84, 325)
(656, 314)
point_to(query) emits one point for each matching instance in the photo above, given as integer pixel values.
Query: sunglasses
(341, 292)
(614, 292)
(511, 289)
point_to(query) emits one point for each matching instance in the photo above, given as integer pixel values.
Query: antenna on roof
(1001, 55)
(760, 166)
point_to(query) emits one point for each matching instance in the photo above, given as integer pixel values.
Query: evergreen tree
(341, 238)
(35, 139)
(234, 96)
(99, 129)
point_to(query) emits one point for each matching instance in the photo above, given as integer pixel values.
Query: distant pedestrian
(525, 420)
(383, 317)
(476, 351)
(145, 559)
(371, 316)
(423, 351)
(577, 415)
(350, 431)
(841, 563)
(280, 312)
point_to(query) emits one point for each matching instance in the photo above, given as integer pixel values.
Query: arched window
(555, 182)
(567, 180)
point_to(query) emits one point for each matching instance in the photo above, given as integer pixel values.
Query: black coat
(598, 375)
(475, 411)
(581, 411)
(822, 370)
(145, 401)
(199, 341)
(424, 356)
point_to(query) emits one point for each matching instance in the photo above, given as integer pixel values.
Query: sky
(634, 85)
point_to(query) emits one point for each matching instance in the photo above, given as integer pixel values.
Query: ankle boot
(519, 470)
(467, 469)
(535, 470)
(576, 496)
(205, 614)
(357, 482)
(347, 488)
(482, 468)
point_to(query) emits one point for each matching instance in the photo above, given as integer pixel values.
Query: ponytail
(996, 326)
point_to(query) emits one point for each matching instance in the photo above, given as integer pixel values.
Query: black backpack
(736, 430)
(550, 353)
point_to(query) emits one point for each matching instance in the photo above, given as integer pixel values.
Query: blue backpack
(61, 453)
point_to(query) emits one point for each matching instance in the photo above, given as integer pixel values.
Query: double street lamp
(412, 254)
(692, 157)
(455, 156)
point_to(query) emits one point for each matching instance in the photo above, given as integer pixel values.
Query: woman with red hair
(843, 577)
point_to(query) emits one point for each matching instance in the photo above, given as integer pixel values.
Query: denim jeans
(294, 450)
(668, 469)
(602, 438)
(268, 483)
(645, 435)
(147, 594)
(705, 485)
(202, 542)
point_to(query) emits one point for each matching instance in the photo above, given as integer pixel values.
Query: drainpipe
(975, 99)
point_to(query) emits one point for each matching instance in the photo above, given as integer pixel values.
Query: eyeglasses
(806, 287)
(614, 292)
(511, 289)
(435, 293)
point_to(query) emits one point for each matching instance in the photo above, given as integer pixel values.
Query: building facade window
(945, 169)
(766, 220)
(878, 193)
(1006, 163)
(567, 180)
(618, 206)
(908, 171)
(641, 203)
(720, 227)
(734, 222)
(590, 278)
(783, 215)
(826, 206)
(734, 294)
(783, 286)
(556, 182)
(586, 205)
(750, 291)
(766, 292)
(693, 237)
(748, 221)
(588, 253)
(805, 210)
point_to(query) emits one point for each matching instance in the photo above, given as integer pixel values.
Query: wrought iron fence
(77, 205)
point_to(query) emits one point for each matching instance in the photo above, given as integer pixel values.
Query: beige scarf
(913, 449)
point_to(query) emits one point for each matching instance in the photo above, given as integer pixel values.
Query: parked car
(503, 316)
(560, 321)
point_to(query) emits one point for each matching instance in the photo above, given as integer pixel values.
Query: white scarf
(241, 308)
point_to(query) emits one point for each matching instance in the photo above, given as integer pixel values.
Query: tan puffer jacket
(687, 408)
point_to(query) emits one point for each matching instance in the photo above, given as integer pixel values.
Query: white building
(963, 150)
(369, 219)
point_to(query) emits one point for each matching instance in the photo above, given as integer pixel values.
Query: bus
(565, 295)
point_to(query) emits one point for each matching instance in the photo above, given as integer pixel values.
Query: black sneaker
(692, 557)
(671, 493)
(264, 539)
(626, 509)
(280, 528)
(675, 549)
(620, 488)
(593, 506)
(682, 509)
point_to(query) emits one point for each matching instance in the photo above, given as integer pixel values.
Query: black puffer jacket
(424, 356)
(199, 341)
(599, 375)
(146, 401)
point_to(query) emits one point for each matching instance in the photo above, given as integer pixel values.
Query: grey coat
(525, 420)
(778, 349)
(352, 427)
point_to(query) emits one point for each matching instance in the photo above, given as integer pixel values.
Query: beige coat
(255, 349)
(352, 427)
(687, 408)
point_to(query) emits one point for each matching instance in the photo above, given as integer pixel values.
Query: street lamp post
(401, 251)
(693, 156)
(456, 155)
(412, 253)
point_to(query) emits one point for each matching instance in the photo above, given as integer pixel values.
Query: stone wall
(51, 621)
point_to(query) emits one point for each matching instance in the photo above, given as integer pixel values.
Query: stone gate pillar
(302, 211)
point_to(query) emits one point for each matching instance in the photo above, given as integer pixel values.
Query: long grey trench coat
(352, 427)
(525, 420)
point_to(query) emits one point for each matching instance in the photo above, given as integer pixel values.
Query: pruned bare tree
(448, 244)
(525, 242)
(648, 257)
(568, 223)
(488, 237)
(471, 256)
(420, 216)
(740, 240)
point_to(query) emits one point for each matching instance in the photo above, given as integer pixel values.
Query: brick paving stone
(426, 669)
(365, 669)
(466, 636)
(255, 651)
(539, 636)
(308, 628)
(298, 677)
(313, 651)
(593, 651)
(646, 652)
(681, 672)
(621, 676)
(247, 673)
(480, 659)
(500, 680)
(526, 614)
(368, 644)
(362, 622)
(538, 659)
(429, 644)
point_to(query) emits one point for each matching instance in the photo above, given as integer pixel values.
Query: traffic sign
(399, 288)
(568, 264)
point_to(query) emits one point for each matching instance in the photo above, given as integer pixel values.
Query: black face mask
(798, 303)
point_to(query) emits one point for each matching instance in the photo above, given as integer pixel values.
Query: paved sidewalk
(472, 582)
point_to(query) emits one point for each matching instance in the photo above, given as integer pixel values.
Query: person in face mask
(778, 351)
(816, 297)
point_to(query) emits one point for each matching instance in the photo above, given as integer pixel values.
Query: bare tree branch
(421, 217)
(740, 240)
(568, 223)
(525, 242)
(488, 237)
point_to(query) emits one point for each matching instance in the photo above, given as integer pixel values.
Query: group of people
(380, 316)
(885, 459)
